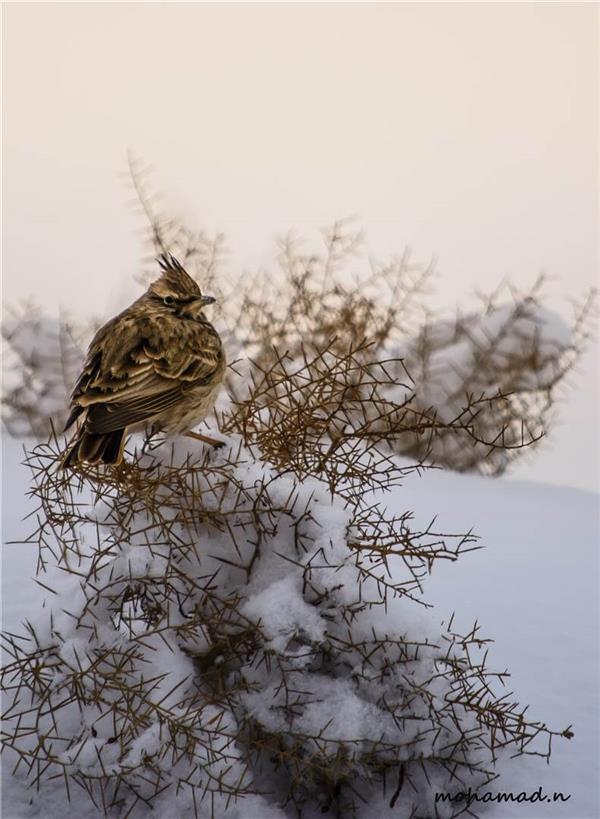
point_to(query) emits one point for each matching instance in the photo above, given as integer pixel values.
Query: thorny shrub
(229, 633)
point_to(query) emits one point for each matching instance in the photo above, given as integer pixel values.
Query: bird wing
(138, 366)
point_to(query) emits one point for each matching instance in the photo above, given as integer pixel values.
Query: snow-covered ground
(533, 588)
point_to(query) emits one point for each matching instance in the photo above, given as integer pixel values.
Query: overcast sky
(465, 131)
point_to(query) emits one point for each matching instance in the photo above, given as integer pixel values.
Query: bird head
(175, 290)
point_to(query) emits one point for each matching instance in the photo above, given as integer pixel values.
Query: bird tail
(96, 448)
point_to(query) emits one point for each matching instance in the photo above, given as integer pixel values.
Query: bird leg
(205, 439)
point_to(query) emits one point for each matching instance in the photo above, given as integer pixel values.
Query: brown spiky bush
(486, 381)
(514, 350)
(246, 632)
(249, 624)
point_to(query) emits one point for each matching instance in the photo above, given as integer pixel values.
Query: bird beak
(207, 300)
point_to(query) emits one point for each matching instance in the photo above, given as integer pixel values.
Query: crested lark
(158, 365)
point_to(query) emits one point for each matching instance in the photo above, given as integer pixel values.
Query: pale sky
(465, 131)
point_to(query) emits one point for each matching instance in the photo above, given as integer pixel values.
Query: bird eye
(169, 300)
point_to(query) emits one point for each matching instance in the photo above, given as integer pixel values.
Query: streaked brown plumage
(158, 365)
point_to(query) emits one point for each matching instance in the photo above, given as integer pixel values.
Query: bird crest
(176, 277)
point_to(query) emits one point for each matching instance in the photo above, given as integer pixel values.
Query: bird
(157, 366)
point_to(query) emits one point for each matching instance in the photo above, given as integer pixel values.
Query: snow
(282, 612)
(533, 587)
